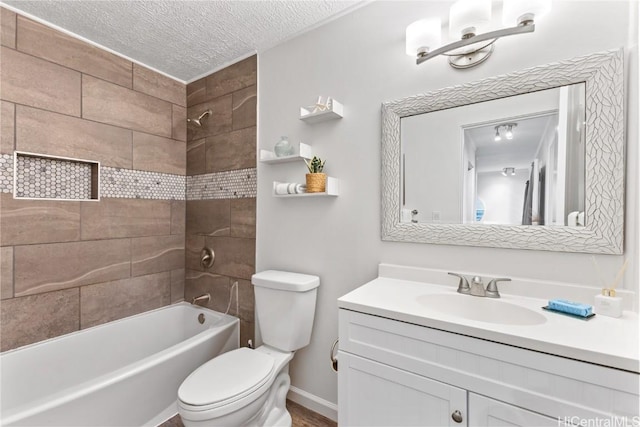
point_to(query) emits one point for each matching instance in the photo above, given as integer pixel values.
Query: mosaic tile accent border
(223, 185)
(6, 173)
(136, 184)
(128, 183)
(47, 178)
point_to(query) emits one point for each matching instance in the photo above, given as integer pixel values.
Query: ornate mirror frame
(604, 205)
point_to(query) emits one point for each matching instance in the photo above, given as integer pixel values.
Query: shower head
(198, 121)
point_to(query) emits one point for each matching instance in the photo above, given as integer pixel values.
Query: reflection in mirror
(518, 160)
(433, 156)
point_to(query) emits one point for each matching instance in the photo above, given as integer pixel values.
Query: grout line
(15, 25)
(83, 118)
(81, 97)
(230, 220)
(13, 271)
(79, 308)
(15, 126)
(80, 209)
(132, 149)
(171, 218)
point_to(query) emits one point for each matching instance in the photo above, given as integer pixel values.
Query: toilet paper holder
(333, 355)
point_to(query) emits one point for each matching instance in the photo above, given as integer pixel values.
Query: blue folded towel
(570, 307)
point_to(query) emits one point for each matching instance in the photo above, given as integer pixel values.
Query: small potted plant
(316, 180)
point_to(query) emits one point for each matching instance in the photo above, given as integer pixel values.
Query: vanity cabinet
(381, 395)
(402, 374)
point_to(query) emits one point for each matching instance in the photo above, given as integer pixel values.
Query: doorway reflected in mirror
(518, 160)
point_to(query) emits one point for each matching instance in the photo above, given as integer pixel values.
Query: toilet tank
(285, 306)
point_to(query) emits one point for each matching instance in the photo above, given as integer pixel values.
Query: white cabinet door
(486, 412)
(374, 394)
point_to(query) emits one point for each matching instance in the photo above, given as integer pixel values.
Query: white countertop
(603, 340)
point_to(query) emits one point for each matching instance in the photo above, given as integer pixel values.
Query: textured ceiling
(184, 39)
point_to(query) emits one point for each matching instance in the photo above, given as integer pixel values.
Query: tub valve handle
(207, 257)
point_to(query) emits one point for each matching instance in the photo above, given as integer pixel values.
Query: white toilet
(247, 387)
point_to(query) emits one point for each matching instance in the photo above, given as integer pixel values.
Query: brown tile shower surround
(71, 265)
(225, 142)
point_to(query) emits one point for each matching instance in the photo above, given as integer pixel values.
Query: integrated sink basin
(481, 309)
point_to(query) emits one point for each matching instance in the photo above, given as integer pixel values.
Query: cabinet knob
(457, 416)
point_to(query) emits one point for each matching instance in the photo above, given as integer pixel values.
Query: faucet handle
(463, 285)
(492, 287)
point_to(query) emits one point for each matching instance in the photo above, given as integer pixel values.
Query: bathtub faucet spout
(205, 297)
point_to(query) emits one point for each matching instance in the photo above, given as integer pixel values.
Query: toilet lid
(229, 376)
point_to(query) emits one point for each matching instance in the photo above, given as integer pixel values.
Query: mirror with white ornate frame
(602, 75)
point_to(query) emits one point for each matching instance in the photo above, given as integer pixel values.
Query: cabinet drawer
(547, 384)
(373, 394)
(485, 412)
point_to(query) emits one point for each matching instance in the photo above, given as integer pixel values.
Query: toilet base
(269, 409)
(277, 414)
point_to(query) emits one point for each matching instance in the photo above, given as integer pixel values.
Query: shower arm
(197, 121)
(206, 113)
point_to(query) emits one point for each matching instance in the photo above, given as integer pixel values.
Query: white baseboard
(313, 402)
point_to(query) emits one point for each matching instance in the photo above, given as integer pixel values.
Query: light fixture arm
(525, 27)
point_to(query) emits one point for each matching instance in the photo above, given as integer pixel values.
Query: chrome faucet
(477, 288)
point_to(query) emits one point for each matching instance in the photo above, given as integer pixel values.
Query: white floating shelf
(332, 190)
(301, 151)
(335, 112)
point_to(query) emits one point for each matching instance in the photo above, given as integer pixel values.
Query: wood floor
(301, 416)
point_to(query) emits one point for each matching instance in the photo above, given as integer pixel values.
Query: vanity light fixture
(498, 137)
(508, 171)
(467, 18)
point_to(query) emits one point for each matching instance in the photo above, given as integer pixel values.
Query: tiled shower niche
(44, 177)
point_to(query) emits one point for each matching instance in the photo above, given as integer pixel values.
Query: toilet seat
(226, 379)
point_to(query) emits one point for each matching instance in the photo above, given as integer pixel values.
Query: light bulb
(509, 133)
(423, 36)
(519, 12)
(467, 17)
(497, 138)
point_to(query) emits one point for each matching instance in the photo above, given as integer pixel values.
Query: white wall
(503, 196)
(359, 59)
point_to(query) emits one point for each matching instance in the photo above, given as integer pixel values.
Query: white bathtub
(122, 373)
